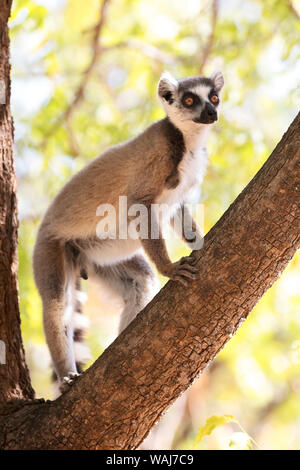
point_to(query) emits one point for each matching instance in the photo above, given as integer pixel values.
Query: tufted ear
(218, 78)
(167, 86)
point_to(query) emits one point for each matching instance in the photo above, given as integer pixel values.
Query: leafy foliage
(238, 440)
(212, 423)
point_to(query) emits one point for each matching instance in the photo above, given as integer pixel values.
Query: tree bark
(14, 377)
(117, 401)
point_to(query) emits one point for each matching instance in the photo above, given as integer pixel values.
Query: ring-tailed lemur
(162, 165)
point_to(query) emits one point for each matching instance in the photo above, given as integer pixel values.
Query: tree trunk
(117, 401)
(14, 377)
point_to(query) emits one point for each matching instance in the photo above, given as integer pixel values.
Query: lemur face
(191, 100)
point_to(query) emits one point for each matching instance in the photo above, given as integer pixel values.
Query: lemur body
(163, 165)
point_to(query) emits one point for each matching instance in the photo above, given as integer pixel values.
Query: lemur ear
(167, 85)
(218, 78)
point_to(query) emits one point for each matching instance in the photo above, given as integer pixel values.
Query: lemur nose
(211, 111)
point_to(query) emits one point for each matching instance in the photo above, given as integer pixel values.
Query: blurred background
(84, 77)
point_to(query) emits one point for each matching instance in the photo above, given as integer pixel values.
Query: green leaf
(212, 423)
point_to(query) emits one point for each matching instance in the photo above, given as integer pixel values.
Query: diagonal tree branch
(293, 10)
(96, 48)
(117, 401)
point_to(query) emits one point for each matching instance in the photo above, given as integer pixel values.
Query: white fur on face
(202, 91)
(182, 117)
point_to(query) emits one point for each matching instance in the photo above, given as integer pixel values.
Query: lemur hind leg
(56, 283)
(134, 280)
(142, 284)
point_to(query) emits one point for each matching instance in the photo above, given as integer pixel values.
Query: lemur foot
(183, 270)
(68, 381)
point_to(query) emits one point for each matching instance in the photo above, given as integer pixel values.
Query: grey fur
(158, 166)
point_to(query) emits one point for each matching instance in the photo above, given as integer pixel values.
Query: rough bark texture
(117, 401)
(14, 377)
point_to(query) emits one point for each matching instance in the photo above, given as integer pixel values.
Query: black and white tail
(80, 324)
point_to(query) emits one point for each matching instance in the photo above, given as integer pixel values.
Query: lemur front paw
(68, 381)
(182, 271)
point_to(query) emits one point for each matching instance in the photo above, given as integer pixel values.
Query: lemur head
(191, 101)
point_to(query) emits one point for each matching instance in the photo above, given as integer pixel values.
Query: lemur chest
(190, 174)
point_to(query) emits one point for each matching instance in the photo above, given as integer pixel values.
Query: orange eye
(189, 101)
(214, 99)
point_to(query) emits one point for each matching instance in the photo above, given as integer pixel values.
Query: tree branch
(115, 403)
(79, 94)
(210, 42)
(96, 48)
(293, 10)
(14, 376)
(149, 50)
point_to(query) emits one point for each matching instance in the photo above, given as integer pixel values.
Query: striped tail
(80, 326)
